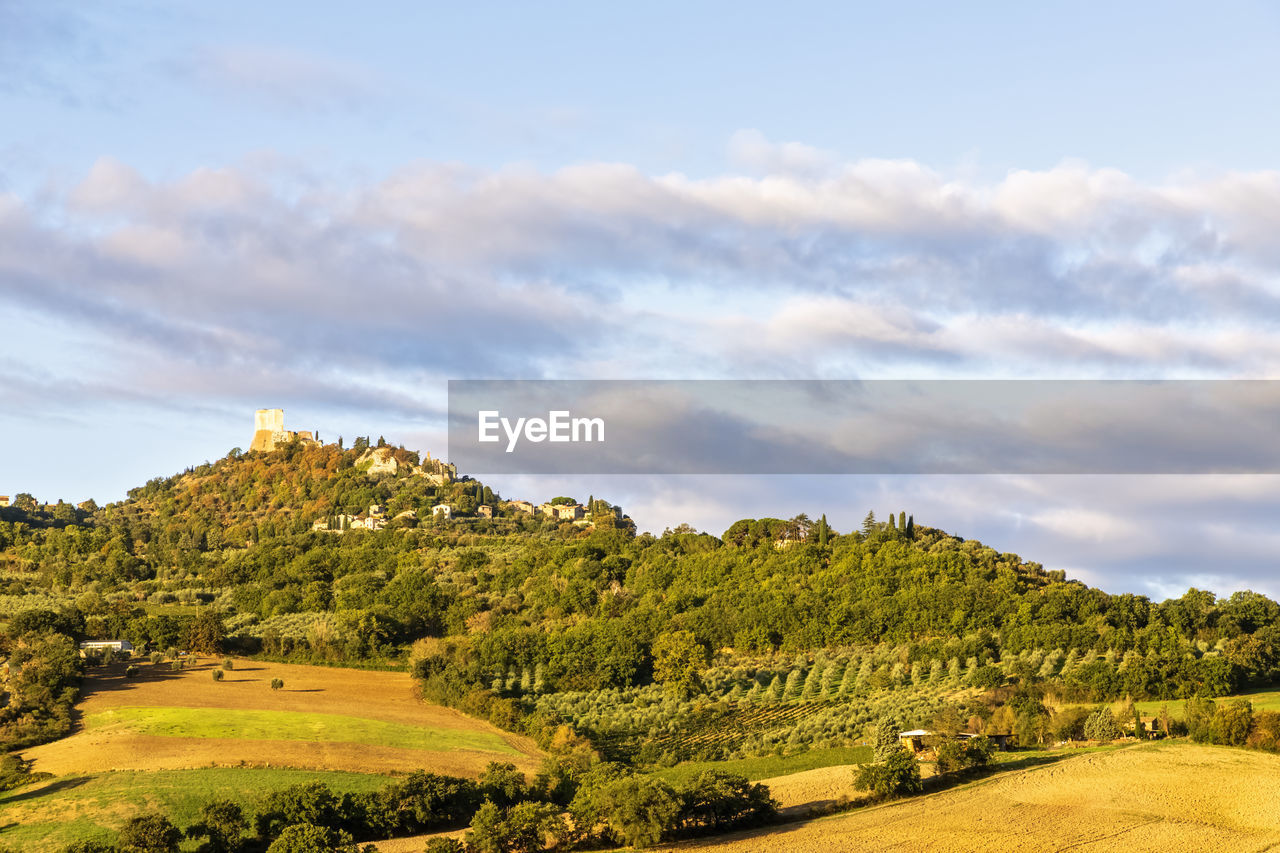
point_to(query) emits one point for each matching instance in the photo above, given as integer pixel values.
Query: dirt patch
(1151, 798)
(385, 696)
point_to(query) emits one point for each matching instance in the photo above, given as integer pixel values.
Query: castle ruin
(269, 432)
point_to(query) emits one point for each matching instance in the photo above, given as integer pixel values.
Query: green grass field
(770, 766)
(1262, 699)
(292, 725)
(49, 815)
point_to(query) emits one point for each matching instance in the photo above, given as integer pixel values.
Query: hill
(1148, 798)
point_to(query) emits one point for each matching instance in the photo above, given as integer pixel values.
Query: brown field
(1167, 797)
(386, 696)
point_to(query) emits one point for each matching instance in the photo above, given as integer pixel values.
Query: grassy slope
(1262, 699)
(292, 725)
(770, 766)
(51, 814)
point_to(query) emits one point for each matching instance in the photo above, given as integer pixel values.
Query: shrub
(218, 675)
(228, 663)
(444, 845)
(157, 657)
(1199, 719)
(277, 683)
(306, 838)
(130, 671)
(896, 775)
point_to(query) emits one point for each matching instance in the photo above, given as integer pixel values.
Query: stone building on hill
(269, 432)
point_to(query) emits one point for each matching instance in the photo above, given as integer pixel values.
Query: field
(1156, 797)
(1263, 700)
(757, 769)
(173, 740)
(323, 719)
(51, 814)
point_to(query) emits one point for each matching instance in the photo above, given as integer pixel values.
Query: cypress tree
(902, 521)
(911, 527)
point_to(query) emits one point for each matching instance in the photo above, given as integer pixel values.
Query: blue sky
(210, 208)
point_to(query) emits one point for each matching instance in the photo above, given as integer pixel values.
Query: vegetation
(617, 652)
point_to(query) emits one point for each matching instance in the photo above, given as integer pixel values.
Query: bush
(130, 671)
(218, 675)
(277, 683)
(717, 800)
(898, 774)
(444, 845)
(228, 664)
(1199, 714)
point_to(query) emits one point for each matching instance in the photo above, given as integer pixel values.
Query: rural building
(4, 500)
(916, 740)
(567, 512)
(442, 511)
(123, 646)
(522, 506)
(484, 511)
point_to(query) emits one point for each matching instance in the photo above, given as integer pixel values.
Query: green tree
(149, 833)
(678, 661)
(523, 828)
(223, 823)
(307, 838)
(886, 739)
(1232, 721)
(1101, 725)
(895, 775)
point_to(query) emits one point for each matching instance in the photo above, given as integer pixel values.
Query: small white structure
(442, 511)
(123, 646)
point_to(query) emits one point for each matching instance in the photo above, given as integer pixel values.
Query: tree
(523, 828)
(205, 634)
(1232, 721)
(1101, 725)
(218, 675)
(277, 684)
(897, 774)
(640, 810)
(308, 838)
(223, 823)
(149, 833)
(869, 523)
(678, 661)
(886, 738)
(911, 527)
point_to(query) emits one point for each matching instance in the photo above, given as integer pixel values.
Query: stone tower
(266, 424)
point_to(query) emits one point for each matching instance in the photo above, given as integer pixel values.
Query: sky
(207, 209)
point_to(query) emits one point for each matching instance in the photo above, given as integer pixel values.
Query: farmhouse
(123, 646)
(4, 500)
(917, 740)
(484, 511)
(442, 511)
(522, 506)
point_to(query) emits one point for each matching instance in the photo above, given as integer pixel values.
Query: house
(4, 501)
(913, 741)
(567, 512)
(916, 740)
(484, 511)
(522, 506)
(442, 511)
(120, 646)
(376, 511)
